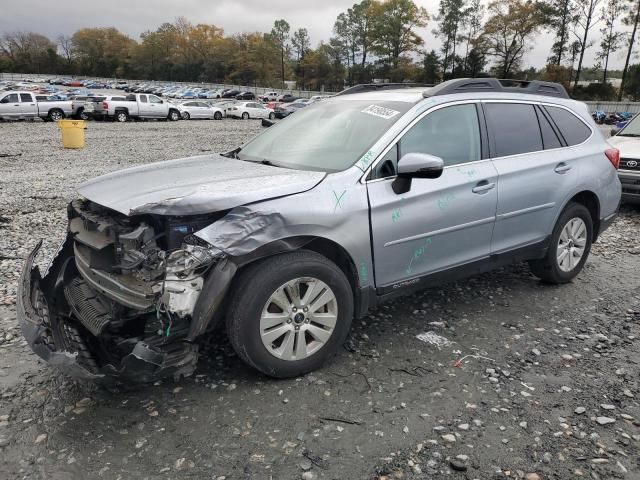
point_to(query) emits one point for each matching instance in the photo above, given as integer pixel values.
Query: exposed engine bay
(121, 294)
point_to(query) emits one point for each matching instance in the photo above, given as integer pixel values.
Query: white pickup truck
(19, 105)
(139, 105)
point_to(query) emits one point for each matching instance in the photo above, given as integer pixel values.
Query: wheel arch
(590, 200)
(213, 308)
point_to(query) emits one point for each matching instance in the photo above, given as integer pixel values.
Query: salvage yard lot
(549, 386)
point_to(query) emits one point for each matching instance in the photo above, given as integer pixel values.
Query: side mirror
(614, 131)
(416, 165)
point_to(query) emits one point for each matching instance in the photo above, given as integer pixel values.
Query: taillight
(613, 154)
(105, 106)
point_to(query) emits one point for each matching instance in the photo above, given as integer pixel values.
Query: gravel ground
(514, 379)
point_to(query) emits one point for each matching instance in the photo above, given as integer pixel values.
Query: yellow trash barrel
(72, 133)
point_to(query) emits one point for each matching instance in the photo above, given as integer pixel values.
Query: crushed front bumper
(38, 305)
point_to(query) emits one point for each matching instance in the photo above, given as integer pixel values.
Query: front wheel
(289, 313)
(272, 116)
(174, 116)
(569, 246)
(186, 116)
(245, 116)
(217, 116)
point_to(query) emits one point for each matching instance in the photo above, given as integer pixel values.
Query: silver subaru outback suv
(344, 205)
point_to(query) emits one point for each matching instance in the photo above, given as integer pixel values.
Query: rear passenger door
(28, 107)
(535, 172)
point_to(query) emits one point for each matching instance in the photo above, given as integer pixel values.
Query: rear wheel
(569, 246)
(82, 115)
(290, 313)
(217, 116)
(245, 116)
(55, 115)
(121, 116)
(272, 116)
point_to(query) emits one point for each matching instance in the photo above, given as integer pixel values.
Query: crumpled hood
(194, 185)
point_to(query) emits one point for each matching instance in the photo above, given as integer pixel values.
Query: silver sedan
(199, 109)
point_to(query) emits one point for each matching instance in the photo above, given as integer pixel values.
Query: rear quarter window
(571, 127)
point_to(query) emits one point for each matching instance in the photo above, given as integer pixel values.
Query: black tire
(253, 289)
(547, 268)
(121, 116)
(245, 116)
(186, 116)
(55, 114)
(217, 116)
(174, 115)
(272, 116)
(82, 115)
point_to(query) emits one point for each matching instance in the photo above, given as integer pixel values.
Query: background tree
(585, 20)
(28, 52)
(560, 15)
(558, 74)
(611, 36)
(632, 87)
(280, 37)
(451, 17)
(102, 52)
(394, 32)
(472, 20)
(301, 44)
(507, 32)
(631, 19)
(431, 66)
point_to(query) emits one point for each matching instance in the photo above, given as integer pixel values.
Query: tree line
(374, 39)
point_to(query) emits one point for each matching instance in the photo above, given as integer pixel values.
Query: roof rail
(371, 87)
(464, 85)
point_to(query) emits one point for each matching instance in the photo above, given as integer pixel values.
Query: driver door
(439, 223)
(10, 106)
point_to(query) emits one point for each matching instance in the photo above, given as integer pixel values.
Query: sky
(136, 16)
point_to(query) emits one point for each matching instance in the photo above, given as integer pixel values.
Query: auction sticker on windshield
(379, 111)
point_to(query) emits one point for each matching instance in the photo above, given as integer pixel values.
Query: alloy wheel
(298, 318)
(571, 244)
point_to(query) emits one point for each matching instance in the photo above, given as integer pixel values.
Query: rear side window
(549, 137)
(514, 127)
(25, 97)
(143, 98)
(572, 129)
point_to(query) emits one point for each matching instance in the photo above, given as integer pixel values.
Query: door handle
(562, 168)
(483, 186)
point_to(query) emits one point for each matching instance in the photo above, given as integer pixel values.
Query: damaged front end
(122, 297)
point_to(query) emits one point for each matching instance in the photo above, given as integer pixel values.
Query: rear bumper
(41, 310)
(630, 186)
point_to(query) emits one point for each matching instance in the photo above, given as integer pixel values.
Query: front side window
(154, 99)
(514, 127)
(11, 98)
(451, 133)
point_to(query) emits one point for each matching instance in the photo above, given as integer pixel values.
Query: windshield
(329, 136)
(632, 129)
